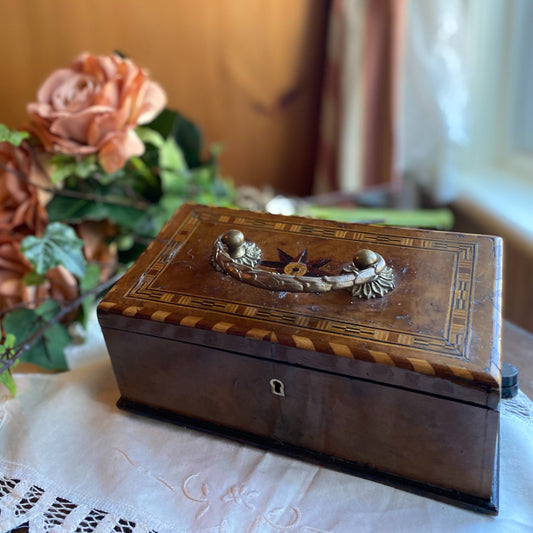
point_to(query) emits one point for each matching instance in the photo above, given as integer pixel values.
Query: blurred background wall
(247, 72)
(327, 96)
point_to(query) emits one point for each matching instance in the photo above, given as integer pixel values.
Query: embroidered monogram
(201, 498)
(240, 495)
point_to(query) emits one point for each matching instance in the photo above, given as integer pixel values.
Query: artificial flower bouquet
(84, 187)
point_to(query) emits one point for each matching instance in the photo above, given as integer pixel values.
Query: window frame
(492, 176)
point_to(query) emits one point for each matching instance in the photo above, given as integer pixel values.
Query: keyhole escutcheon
(277, 387)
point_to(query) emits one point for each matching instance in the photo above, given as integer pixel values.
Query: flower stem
(69, 193)
(28, 343)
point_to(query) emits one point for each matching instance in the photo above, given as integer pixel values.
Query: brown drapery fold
(357, 140)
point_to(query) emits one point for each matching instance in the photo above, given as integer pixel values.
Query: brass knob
(234, 242)
(365, 259)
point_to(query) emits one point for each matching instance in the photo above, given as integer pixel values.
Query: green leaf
(164, 123)
(173, 167)
(148, 135)
(125, 241)
(48, 351)
(72, 209)
(128, 189)
(8, 343)
(66, 165)
(88, 282)
(34, 279)
(6, 377)
(202, 177)
(91, 278)
(13, 137)
(106, 178)
(142, 169)
(76, 210)
(48, 309)
(58, 246)
(59, 173)
(127, 217)
(215, 149)
(186, 134)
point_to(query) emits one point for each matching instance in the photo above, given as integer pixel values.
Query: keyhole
(277, 387)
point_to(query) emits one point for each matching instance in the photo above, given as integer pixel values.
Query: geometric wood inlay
(454, 343)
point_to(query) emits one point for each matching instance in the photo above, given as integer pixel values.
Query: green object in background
(416, 218)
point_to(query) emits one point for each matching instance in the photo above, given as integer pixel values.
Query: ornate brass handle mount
(367, 276)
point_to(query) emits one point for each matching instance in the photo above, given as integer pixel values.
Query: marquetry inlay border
(454, 343)
(338, 337)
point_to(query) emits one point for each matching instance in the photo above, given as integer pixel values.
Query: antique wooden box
(374, 350)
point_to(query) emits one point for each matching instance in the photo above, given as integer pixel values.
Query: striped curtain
(395, 96)
(357, 142)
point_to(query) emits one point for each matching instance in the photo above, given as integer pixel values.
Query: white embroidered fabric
(72, 462)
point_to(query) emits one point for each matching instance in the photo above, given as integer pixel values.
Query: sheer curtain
(394, 95)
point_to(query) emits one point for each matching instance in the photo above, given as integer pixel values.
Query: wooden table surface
(517, 349)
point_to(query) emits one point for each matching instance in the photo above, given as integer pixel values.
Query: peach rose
(93, 107)
(21, 204)
(60, 283)
(13, 267)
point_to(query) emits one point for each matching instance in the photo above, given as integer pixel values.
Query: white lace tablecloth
(72, 462)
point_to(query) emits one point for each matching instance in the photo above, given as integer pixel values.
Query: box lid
(437, 330)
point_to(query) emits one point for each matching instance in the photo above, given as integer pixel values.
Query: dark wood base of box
(459, 499)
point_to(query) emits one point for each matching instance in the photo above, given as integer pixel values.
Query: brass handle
(367, 276)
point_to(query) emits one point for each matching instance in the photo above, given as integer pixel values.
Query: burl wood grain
(407, 385)
(421, 437)
(443, 319)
